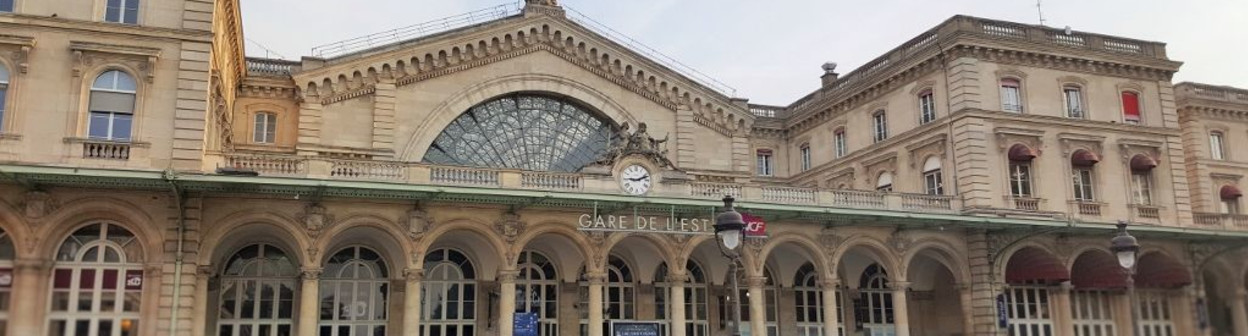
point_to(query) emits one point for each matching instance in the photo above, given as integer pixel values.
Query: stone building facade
(534, 165)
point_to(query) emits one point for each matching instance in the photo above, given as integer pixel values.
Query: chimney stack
(829, 74)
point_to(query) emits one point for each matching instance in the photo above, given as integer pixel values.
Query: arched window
(112, 106)
(1230, 199)
(97, 283)
(1217, 143)
(808, 299)
(7, 254)
(1011, 95)
(927, 107)
(696, 316)
(449, 293)
(1130, 107)
(524, 131)
(122, 11)
(355, 292)
(1142, 179)
(257, 292)
(1073, 96)
(769, 306)
(933, 181)
(265, 131)
(618, 294)
(876, 300)
(4, 90)
(1082, 163)
(841, 144)
(884, 182)
(879, 123)
(537, 291)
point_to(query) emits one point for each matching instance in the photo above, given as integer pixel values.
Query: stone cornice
(1084, 124)
(137, 32)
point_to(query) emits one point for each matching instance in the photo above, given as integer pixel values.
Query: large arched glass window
(7, 254)
(355, 293)
(696, 317)
(618, 296)
(808, 301)
(449, 294)
(876, 301)
(537, 291)
(523, 131)
(4, 93)
(97, 283)
(112, 106)
(257, 293)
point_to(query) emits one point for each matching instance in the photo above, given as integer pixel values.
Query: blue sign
(635, 328)
(525, 324)
(1003, 320)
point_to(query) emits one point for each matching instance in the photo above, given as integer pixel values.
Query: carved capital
(205, 271)
(508, 276)
(678, 277)
(413, 274)
(756, 281)
(311, 274)
(830, 284)
(898, 286)
(596, 278)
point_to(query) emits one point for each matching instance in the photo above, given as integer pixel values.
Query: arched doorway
(770, 313)
(696, 296)
(355, 293)
(1030, 275)
(934, 302)
(1097, 282)
(1159, 279)
(257, 295)
(808, 303)
(97, 283)
(449, 294)
(875, 302)
(619, 293)
(537, 290)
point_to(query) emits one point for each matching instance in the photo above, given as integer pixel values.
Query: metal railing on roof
(418, 30)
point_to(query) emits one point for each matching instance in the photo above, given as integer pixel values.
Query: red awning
(1033, 265)
(1231, 192)
(1097, 270)
(1156, 270)
(1020, 152)
(1084, 158)
(1141, 162)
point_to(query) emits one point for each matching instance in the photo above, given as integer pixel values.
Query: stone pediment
(410, 62)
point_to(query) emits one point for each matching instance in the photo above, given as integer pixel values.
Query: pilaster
(983, 287)
(383, 114)
(309, 301)
(191, 108)
(178, 289)
(507, 301)
(310, 119)
(901, 310)
(971, 153)
(686, 137)
(741, 157)
(964, 84)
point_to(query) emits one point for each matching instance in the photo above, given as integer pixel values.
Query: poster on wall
(755, 226)
(525, 324)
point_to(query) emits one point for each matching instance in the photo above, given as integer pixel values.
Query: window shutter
(1130, 106)
(104, 101)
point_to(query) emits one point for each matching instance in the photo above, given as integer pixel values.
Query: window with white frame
(808, 299)
(1020, 178)
(927, 107)
(841, 147)
(1217, 149)
(1083, 184)
(696, 296)
(765, 167)
(112, 106)
(876, 302)
(618, 297)
(537, 291)
(355, 293)
(933, 181)
(805, 153)
(8, 253)
(771, 323)
(1011, 95)
(257, 292)
(97, 283)
(450, 294)
(884, 182)
(122, 11)
(265, 131)
(1230, 199)
(1142, 186)
(1073, 96)
(879, 122)
(1027, 309)
(4, 89)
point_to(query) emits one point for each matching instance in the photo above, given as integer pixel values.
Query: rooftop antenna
(1040, 11)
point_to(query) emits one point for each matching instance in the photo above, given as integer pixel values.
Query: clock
(635, 179)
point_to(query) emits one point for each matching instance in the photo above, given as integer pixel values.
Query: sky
(771, 51)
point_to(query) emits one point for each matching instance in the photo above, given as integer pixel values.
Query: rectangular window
(109, 126)
(1142, 188)
(880, 121)
(1074, 102)
(6, 6)
(927, 108)
(266, 128)
(1083, 184)
(1011, 96)
(933, 183)
(1130, 107)
(121, 11)
(1230, 206)
(4, 88)
(841, 147)
(805, 158)
(764, 162)
(1020, 179)
(1216, 150)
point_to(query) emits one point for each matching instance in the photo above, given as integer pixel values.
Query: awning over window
(1021, 152)
(885, 179)
(1230, 192)
(1033, 265)
(1141, 162)
(1097, 269)
(1084, 158)
(1157, 270)
(932, 164)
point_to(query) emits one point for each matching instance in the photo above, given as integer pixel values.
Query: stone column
(901, 315)
(199, 308)
(1063, 321)
(758, 305)
(25, 313)
(309, 301)
(411, 300)
(596, 283)
(507, 303)
(677, 301)
(830, 313)
(1239, 313)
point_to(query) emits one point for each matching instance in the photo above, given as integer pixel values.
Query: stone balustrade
(1221, 220)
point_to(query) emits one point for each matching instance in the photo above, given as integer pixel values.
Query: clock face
(635, 180)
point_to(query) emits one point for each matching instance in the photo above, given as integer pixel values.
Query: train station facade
(446, 178)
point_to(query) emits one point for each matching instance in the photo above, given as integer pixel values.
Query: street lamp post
(1126, 248)
(729, 229)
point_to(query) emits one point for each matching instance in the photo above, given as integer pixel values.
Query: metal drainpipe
(169, 176)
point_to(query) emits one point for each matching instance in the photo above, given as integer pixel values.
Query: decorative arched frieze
(875, 248)
(384, 230)
(811, 247)
(942, 250)
(477, 228)
(1073, 80)
(73, 214)
(1072, 142)
(1011, 72)
(221, 237)
(1129, 148)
